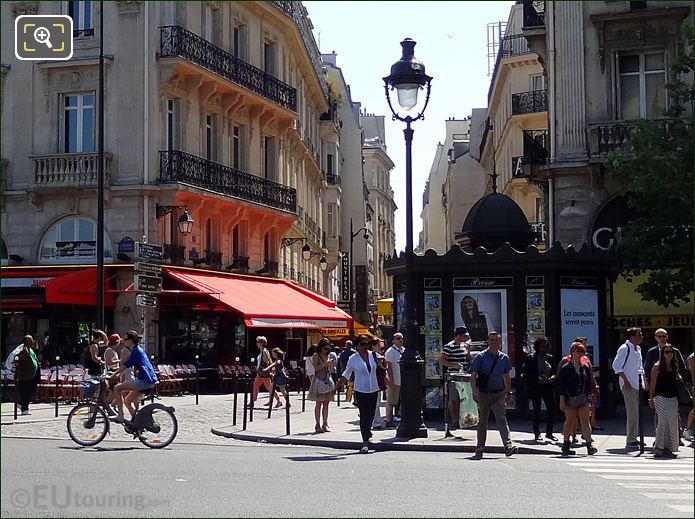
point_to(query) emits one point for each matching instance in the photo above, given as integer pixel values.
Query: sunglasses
(661, 336)
(364, 344)
(580, 352)
(670, 352)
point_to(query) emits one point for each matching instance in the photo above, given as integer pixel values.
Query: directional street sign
(147, 283)
(148, 268)
(145, 300)
(148, 251)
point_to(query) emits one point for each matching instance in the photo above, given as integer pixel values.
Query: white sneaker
(364, 450)
(26, 413)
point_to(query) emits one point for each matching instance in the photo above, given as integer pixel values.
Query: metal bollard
(153, 387)
(303, 391)
(16, 398)
(197, 378)
(270, 398)
(236, 390)
(340, 374)
(287, 413)
(57, 382)
(445, 406)
(246, 401)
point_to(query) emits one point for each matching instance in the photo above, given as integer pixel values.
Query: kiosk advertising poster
(535, 316)
(580, 319)
(482, 311)
(433, 334)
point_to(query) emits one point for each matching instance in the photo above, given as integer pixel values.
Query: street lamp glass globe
(407, 95)
(323, 264)
(306, 252)
(185, 223)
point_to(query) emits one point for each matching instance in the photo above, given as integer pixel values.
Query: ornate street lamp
(408, 78)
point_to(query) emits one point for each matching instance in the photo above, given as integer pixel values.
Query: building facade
(219, 109)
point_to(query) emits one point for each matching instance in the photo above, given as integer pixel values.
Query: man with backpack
(628, 366)
(25, 365)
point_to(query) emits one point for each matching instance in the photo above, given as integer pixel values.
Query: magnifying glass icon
(42, 35)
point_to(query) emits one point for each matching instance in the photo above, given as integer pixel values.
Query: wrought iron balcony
(512, 45)
(534, 13)
(211, 258)
(333, 180)
(176, 254)
(298, 13)
(270, 268)
(175, 41)
(541, 235)
(178, 166)
(530, 102)
(69, 170)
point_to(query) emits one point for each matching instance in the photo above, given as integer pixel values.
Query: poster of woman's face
(481, 311)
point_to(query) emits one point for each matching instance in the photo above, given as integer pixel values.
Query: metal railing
(176, 254)
(239, 263)
(178, 166)
(530, 102)
(69, 169)
(534, 13)
(333, 180)
(175, 41)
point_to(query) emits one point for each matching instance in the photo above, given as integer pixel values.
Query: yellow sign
(334, 333)
(652, 321)
(385, 306)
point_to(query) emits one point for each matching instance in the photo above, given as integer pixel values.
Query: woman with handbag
(322, 387)
(663, 397)
(364, 364)
(574, 383)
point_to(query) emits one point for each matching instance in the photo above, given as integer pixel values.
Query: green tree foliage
(656, 173)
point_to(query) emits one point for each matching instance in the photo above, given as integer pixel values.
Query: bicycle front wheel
(162, 429)
(87, 424)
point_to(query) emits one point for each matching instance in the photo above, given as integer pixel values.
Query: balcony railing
(530, 102)
(298, 14)
(541, 235)
(614, 135)
(333, 180)
(175, 41)
(512, 45)
(211, 258)
(69, 169)
(534, 13)
(178, 166)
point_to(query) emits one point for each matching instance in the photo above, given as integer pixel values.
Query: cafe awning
(77, 288)
(267, 303)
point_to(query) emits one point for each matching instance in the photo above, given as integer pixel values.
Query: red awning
(272, 303)
(77, 288)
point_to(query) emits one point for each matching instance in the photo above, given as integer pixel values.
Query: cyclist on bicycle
(146, 377)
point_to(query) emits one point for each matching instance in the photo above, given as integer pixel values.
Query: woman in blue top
(146, 378)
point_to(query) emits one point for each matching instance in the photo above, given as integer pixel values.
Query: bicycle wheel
(162, 429)
(87, 424)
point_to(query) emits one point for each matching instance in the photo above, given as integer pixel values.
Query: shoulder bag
(324, 385)
(684, 396)
(483, 380)
(380, 374)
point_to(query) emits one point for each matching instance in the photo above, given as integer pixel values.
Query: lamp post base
(411, 425)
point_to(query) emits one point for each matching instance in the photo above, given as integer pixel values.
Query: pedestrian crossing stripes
(667, 481)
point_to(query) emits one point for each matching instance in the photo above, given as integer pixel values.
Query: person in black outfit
(574, 382)
(540, 382)
(93, 358)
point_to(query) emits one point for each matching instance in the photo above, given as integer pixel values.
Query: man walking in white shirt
(628, 366)
(393, 392)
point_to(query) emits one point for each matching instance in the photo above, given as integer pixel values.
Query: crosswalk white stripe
(623, 465)
(682, 508)
(640, 471)
(653, 478)
(666, 486)
(625, 459)
(667, 495)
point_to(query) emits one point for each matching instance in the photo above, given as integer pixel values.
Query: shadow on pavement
(99, 449)
(327, 457)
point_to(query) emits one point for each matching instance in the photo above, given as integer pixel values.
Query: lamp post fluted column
(407, 78)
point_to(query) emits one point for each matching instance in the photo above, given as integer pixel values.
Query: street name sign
(148, 268)
(147, 283)
(145, 300)
(148, 251)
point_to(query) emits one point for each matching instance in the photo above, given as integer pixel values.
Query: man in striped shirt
(455, 356)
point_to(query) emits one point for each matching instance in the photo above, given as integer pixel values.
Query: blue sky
(452, 43)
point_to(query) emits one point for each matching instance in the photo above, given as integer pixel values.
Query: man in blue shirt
(146, 377)
(492, 389)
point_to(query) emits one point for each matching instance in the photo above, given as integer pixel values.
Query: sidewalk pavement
(345, 434)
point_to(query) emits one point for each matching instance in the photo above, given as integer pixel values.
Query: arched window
(4, 255)
(73, 240)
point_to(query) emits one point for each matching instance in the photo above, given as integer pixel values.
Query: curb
(381, 446)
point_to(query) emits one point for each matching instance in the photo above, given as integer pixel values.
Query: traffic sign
(145, 300)
(147, 283)
(148, 268)
(148, 251)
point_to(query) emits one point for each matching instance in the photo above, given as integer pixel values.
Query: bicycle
(155, 425)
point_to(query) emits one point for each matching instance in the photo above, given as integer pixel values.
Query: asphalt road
(55, 478)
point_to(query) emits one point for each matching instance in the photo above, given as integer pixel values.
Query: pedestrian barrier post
(252, 401)
(16, 398)
(236, 390)
(445, 406)
(155, 386)
(303, 391)
(57, 382)
(197, 378)
(287, 413)
(340, 374)
(246, 400)
(640, 423)
(270, 398)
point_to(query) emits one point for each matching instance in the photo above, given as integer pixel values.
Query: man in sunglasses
(654, 355)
